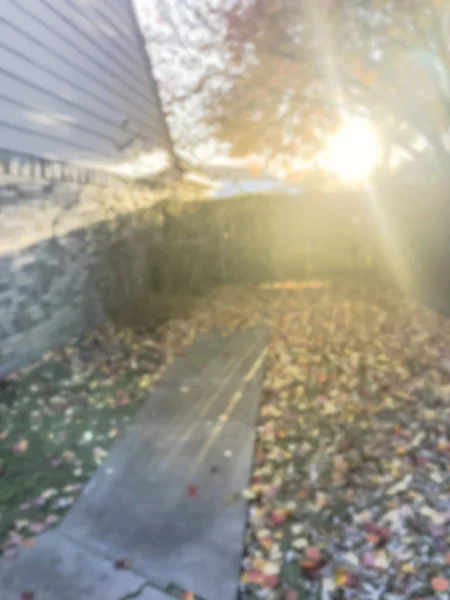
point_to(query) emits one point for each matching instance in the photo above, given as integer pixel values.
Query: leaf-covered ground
(350, 495)
(350, 490)
(58, 419)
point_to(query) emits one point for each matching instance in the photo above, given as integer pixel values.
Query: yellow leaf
(267, 543)
(321, 500)
(22, 446)
(408, 568)
(401, 451)
(340, 578)
(258, 563)
(145, 381)
(248, 494)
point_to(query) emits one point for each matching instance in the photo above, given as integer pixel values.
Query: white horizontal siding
(71, 71)
(120, 42)
(116, 14)
(42, 90)
(22, 140)
(53, 123)
(70, 21)
(35, 18)
(39, 57)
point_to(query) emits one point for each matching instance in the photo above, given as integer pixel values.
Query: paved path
(165, 500)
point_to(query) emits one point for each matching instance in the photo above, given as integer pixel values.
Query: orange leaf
(443, 446)
(372, 538)
(253, 576)
(20, 447)
(308, 564)
(369, 78)
(254, 165)
(440, 584)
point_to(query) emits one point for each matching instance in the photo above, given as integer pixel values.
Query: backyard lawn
(58, 419)
(350, 491)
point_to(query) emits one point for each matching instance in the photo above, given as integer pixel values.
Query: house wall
(75, 82)
(77, 101)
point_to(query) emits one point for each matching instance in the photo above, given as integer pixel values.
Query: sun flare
(352, 153)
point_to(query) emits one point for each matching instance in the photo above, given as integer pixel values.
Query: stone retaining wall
(69, 254)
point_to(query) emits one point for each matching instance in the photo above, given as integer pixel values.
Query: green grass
(57, 423)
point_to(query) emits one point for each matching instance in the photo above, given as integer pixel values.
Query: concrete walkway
(166, 502)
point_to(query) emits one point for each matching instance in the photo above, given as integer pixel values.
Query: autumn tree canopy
(277, 77)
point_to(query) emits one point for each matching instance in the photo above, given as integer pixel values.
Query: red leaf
(373, 538)
(26, 596)
(312, 570)
(124, 399)
(291, 595)
(271, 581)
(122, 564)
(313, 562)
(352, 580)
(313, 554)
(254, 576)
(278, 517)
(192, 491)
(383, 532)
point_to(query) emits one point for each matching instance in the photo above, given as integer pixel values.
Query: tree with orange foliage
(280, 76)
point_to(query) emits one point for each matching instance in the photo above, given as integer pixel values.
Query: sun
(353, 152)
